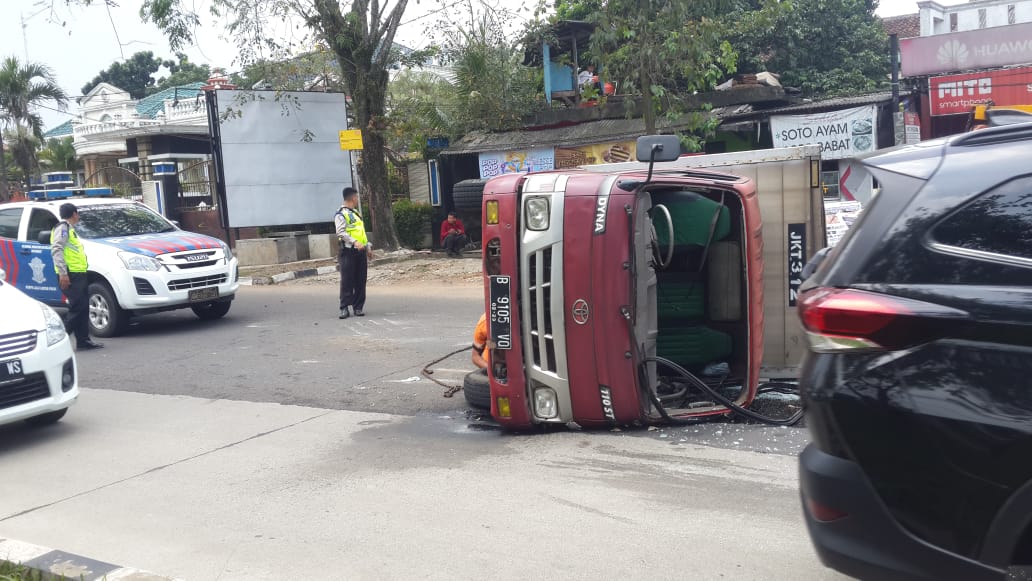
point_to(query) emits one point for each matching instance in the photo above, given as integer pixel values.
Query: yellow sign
(351, 139)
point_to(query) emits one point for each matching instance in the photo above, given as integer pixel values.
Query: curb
(51, 563)
(306, 272)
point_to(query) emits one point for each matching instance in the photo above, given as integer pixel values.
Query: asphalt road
(281, 442)
(284, 344)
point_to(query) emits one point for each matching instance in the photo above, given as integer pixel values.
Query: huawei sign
(984, 48)
(953, 55)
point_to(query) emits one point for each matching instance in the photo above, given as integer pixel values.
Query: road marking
(412, 379)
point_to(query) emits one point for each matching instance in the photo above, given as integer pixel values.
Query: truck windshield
(120, 220)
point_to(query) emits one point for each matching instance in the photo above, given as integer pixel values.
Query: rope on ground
(450, 390)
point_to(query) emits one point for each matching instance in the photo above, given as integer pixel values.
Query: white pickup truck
(139, 262)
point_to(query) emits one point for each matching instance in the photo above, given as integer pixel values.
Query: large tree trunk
(373, 170)
(4, 191)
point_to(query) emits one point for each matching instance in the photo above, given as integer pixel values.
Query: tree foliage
(23, 87)
(663, 50)
(181, 72)
(135, 75)
(360, 37)
(59, 155)
(486, 87)
(823, 47)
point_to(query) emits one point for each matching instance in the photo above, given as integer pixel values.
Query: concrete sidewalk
(214, 489)
(306, 268)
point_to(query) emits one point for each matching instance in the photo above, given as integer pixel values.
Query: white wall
(935, 18)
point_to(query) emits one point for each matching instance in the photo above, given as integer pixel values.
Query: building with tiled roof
(62, 130)
(905, 26)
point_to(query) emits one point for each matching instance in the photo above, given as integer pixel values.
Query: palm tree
(59, 155)
(23, 87)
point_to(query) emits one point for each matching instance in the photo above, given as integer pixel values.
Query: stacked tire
(467, 197)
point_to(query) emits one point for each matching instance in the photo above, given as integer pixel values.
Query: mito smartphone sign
(841, 134)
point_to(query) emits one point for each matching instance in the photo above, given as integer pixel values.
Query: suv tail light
(850, 320)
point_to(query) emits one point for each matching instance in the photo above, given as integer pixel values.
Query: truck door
(28, 264)
(41, 278)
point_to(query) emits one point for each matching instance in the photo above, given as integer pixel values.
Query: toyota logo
(581, 312)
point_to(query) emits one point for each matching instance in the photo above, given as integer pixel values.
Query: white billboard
(281, 156)
(841, 134)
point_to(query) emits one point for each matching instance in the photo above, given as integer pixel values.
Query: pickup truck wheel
(47, 419)
(477, 389)
(211, 311)
(107, 318)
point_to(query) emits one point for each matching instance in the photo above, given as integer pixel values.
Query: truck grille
(540, 309)
(17, 343)
(24, 390)
(199, 282)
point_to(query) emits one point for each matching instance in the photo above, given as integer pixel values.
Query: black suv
(918, 383)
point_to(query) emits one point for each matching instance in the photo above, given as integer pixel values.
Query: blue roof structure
(150, 106)
(62, 130)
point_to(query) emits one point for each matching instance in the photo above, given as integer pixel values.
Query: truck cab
(603, 284)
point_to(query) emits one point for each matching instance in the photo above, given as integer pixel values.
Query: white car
(139, 262)
(38, 375)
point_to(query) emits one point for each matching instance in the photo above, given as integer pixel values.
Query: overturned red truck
(646, 292)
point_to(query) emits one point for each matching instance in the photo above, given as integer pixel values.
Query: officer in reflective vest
(353, 258)
(70, 264)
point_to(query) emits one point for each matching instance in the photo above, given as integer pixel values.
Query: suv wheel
(211, 311)
(107, 318)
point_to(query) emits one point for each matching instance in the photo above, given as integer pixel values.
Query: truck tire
(211, 311)
(477, 389)
(467, 196)
(107, 318)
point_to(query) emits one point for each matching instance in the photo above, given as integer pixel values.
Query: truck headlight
(134, 261)
(546, 405)
(537, 213)
(55, 326)
(227, 252)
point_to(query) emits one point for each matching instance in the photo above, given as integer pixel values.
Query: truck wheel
(107, 318)
(211, 311)
(468, 195)
(46, 419)
(477, 389)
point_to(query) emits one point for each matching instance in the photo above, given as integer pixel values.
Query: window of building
(996, 226)
(1011, 18)
(981, 18)
(953, 22)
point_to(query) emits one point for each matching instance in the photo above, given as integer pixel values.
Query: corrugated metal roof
(150, 106)
(609, 130)
(62, 130)
(589, 133)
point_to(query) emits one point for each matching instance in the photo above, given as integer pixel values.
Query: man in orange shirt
(481, 339)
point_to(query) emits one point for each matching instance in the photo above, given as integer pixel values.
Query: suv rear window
(998, 222)
(120, 220)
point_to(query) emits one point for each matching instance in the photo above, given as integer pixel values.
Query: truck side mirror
(665, 147)
(44, 237)
(814, 263)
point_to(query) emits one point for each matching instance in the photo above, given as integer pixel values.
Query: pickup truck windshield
(119, 220)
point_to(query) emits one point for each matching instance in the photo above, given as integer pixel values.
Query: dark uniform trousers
(78, 323)
(354, 267)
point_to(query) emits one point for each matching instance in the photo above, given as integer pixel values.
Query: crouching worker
(481, 344)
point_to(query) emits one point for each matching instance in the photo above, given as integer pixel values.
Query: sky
(79, 42)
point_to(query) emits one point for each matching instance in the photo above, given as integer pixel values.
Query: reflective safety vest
(354, 226)
(74, 253)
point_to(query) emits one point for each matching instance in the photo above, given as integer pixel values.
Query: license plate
(501, 312)
(11, 369)
(203, 294)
